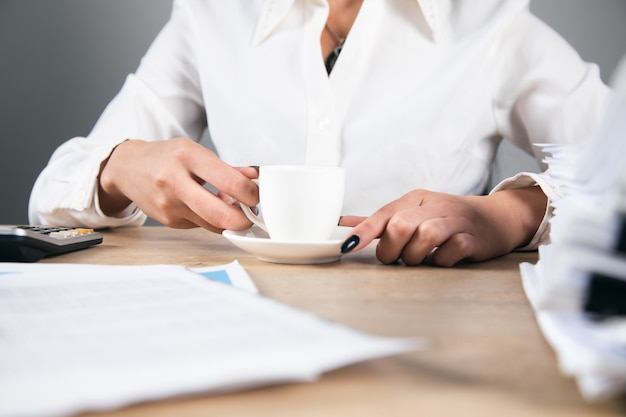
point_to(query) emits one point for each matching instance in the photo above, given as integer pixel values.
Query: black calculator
(32, 243)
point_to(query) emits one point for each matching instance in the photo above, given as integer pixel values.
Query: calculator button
(63, 234)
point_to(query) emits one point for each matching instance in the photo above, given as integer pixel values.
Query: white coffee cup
(299, 202)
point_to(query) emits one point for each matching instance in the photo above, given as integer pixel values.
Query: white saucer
(258, 243)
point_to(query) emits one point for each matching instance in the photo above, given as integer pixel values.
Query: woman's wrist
(112, 201)
(521, 211)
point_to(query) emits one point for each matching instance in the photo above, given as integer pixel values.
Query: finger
(233, 181)
(234, 202)
(177, 223)
(428, 235)
(192, 217)
(400, 230)
(176, 214)
(250, 171)
(456, 249)
(178, 217)
(193, 220)
(209, 210)
(351, 221)
(364, 232)
(374, 226)
(226, 198)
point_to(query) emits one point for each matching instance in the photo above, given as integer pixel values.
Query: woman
(411, 96)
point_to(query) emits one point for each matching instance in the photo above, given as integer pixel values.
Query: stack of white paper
(76, 337)
(584, 231)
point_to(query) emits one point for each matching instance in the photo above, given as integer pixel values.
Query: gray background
(62, 61)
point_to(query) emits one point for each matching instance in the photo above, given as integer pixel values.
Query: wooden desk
(487, 355)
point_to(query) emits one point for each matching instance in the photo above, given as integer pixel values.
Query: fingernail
(256, 167)
(350, 243)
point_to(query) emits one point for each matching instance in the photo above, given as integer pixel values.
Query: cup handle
(250, 215)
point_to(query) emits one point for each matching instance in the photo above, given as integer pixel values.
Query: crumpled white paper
(584, 231)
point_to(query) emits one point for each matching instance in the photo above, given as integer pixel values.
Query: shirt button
(323, 123)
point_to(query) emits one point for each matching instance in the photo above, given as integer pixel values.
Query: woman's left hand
(444, 229)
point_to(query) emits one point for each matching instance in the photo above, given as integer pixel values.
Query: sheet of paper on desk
(91, 337)
(229, 274)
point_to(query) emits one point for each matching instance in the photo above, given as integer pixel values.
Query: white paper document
(584, 234)
(90, 337)
(230, 274)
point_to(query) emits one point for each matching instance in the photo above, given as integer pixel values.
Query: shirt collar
(272, 13)
(275, 10)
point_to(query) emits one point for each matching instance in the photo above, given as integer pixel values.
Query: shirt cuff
(131, 216)
(529, 179)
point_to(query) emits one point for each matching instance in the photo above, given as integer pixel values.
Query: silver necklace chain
(338, 39)
(332, 58)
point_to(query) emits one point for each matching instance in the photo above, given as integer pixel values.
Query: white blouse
(420, 97)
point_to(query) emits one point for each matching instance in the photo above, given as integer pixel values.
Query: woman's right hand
(166, 179)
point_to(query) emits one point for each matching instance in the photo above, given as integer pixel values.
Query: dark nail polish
(350, 243)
